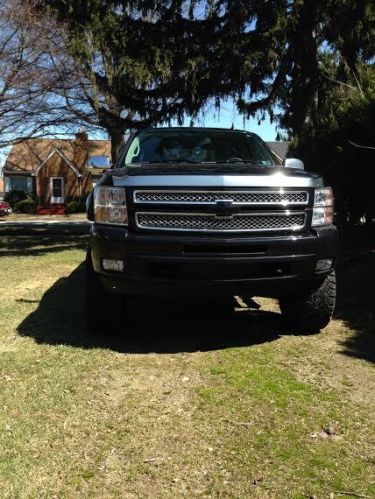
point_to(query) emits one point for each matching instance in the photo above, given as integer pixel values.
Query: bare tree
(48, 85)
(118, 83)
(42, 91)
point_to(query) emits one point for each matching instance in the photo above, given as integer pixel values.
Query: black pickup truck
(211, 213)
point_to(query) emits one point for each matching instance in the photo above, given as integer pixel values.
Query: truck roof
(193, 129)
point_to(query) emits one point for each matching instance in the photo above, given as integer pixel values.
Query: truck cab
(211, 213)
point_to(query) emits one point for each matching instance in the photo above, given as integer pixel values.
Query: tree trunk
(117, 140)
(305, 70)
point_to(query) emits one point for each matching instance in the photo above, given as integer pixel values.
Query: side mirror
(295, 163)
(102, 162)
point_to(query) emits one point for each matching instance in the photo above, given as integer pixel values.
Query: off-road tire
(309, 313)
(104, 311)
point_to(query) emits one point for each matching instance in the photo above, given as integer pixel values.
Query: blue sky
(228, 115)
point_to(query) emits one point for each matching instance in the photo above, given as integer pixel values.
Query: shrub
(76, 205)
(82, 205)
(25, 206)
(72, 207)
(14, 196)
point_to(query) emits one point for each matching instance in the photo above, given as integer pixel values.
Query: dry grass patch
(177, 405)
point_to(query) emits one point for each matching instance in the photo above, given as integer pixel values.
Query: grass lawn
(178, 405)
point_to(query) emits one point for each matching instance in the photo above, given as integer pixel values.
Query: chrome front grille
(251, 198)
(200, 222)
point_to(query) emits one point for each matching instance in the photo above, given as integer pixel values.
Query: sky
(228, 117)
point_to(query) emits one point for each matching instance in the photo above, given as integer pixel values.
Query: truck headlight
(110, 205)
(323, 212)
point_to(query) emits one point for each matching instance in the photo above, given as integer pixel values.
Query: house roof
(279, 148)
(27, 156)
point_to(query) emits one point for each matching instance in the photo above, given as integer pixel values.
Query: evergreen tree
(311, 30)
(149, 62)
(342, 144)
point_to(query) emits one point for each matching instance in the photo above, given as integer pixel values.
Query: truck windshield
(201, 146)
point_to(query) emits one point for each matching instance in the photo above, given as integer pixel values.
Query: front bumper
(201, 265)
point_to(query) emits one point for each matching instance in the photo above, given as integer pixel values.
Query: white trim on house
(69, 163)
(6, 184)
(59, 199)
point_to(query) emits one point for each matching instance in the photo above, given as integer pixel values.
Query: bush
(25, 206)
(14, 196)
(82, 205)
(72, 207)
(76, 205)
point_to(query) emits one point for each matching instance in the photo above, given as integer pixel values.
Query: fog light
(113, 265)
(325, 264)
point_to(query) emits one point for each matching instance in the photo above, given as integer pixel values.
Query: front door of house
(57, 190)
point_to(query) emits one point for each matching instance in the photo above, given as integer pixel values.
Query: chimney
(80, 149)
(82, 136)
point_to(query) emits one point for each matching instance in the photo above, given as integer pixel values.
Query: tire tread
(310, 313)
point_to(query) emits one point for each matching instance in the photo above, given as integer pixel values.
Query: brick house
(53, 170)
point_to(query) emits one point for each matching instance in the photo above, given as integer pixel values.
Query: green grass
(176, 405)
(266, 419)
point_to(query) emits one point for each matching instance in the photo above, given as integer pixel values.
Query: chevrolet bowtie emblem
(225, 209)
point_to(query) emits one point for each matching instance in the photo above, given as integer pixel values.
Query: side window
(265, 155)
(133, 152)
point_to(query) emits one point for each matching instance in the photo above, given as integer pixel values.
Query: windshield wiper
(171, 161)
(240, 160)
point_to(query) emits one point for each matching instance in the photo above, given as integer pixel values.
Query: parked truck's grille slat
(201, 222)
(274, 197)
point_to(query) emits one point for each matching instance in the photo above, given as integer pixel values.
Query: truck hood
(205, 169)
(217, 175)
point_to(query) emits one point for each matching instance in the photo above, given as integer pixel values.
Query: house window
(20, 184)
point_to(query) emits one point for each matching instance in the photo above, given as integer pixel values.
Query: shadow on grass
(40, 245)
(41, 228)
(356, 306)
(163, 326)
(174, 325)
